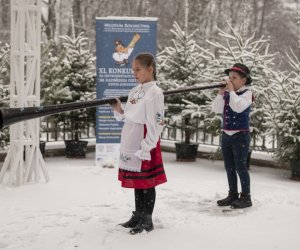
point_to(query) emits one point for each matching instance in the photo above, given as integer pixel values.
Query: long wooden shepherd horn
(10, 116)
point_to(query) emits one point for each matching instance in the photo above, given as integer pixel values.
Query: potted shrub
(179, 66)
(81, 80)
(187, 150)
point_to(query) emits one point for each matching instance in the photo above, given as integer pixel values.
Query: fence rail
(54, 132)
(175, 132)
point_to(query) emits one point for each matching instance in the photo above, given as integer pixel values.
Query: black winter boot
(243, 202)
(134, 220)
(139, 207)
(228, 200)
(144, 224)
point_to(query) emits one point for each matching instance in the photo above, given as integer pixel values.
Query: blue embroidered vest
(233, 120)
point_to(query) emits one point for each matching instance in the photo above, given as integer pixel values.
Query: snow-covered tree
(283, 118)
(52, 73)
(179, 66)
(4, 75)
(237, 49)
(71, 79)
(52, 91)
(4, 90)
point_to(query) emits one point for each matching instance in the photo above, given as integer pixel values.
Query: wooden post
(24, 162)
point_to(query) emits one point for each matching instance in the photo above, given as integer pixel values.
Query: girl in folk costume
(141, 165)
(234, 102)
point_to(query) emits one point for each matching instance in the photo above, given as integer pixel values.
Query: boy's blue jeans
(235, 150)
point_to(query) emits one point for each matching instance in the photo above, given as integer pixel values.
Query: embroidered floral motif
(124, 158)
(138, 94)
(159, 118)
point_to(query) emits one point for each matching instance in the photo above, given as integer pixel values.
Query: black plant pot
(75, 149)
(295, 169)
(42, 148)
(186, 152)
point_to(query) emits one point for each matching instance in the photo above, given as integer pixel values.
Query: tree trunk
(263, 13)
(58, 21)
(255, 14)
(76, 8)
(140, 8)
(50, 20)
(5, 20)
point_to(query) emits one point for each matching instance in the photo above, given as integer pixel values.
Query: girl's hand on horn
(117, 106)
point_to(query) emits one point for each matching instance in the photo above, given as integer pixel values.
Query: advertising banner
(118, 41)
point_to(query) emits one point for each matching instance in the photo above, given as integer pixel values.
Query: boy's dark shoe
(134, 220)
(144, 224)
(243, 202)
(228, 200)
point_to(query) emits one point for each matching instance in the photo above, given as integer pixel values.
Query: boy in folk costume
(141, 165)
(234, 102)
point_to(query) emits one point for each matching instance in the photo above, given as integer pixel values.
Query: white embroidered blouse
(145, 106)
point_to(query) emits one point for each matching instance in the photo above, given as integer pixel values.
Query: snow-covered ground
(81, 206)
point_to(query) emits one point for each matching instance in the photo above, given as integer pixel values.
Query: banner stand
(118, 41)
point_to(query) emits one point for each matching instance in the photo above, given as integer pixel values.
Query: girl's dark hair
(147, 60)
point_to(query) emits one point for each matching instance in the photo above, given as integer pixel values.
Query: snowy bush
(4, 75)
(52, 74)
(70, 77)
(179, 66)
(4, 90)
(231, 48)
(283, 118)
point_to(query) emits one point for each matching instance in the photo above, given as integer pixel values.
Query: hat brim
(226, 71)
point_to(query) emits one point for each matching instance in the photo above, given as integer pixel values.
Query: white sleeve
(239, 103)
(119, 117)
(129, 52)
(116, 57)
(218, 104)
(154, 123)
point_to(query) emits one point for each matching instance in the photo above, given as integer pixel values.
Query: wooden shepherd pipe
(9, 116)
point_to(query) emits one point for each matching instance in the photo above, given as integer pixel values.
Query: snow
(81, 206)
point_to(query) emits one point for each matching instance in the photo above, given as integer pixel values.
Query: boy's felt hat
(241, 68)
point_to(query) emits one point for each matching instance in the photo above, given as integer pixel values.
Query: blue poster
(118, 41)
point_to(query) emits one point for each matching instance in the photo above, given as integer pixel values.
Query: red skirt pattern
(152, 172)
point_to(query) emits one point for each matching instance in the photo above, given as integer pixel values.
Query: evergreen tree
(179, 66)
(71, 78)
(4, 90)
(4, 75)
(249, 51)
(283, 118)
(52, 73)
